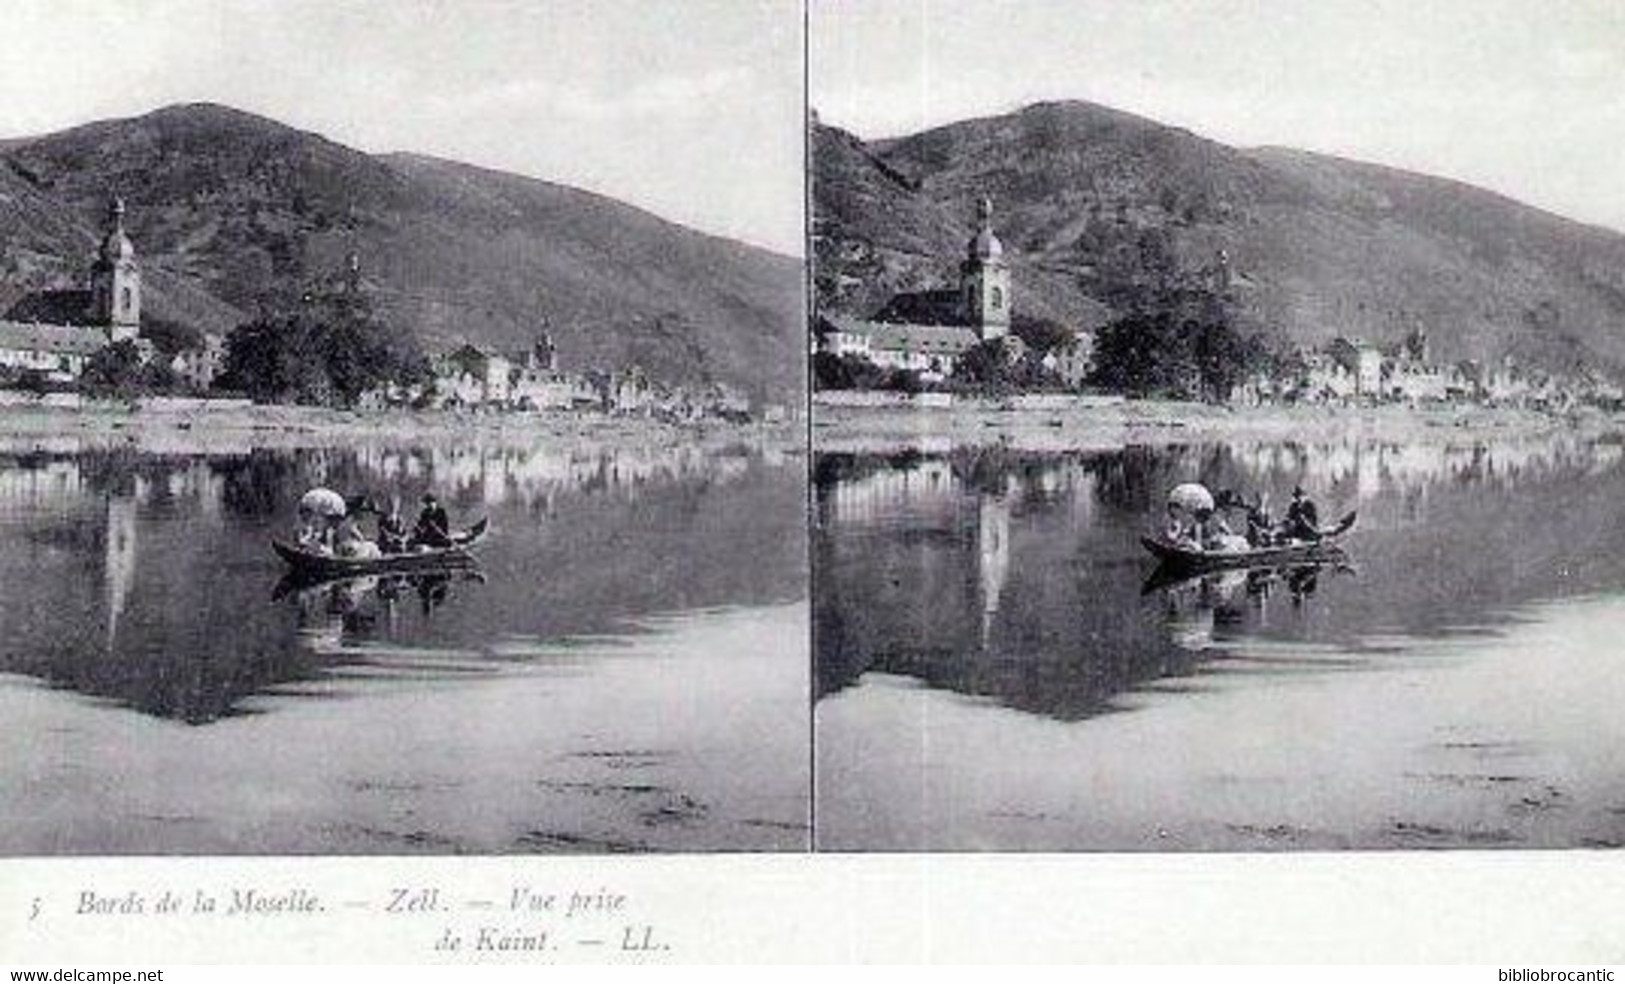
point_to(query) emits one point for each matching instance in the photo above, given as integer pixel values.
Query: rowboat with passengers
(1196, 537)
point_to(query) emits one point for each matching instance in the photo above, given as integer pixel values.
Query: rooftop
(895, 336)
(53, 307)
(55, 339)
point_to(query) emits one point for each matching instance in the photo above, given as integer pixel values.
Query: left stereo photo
(401, 429)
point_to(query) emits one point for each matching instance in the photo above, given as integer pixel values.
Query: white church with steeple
(927, 331)
(56, 332)
(115, 281)
(984, 279)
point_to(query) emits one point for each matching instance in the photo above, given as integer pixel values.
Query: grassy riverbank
(1099, 426)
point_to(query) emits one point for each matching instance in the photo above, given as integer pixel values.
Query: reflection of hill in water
(146, 579)
(1053, 622)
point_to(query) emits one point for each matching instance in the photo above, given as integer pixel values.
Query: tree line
(1168, 352)
(322, 350)
(327, 351)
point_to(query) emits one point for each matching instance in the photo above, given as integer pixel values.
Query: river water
(998, 665)
(626, 670)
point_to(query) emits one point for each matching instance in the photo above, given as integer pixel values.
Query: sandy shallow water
(1489, 740)
(686, 734)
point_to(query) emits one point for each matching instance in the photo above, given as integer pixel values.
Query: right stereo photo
(1216, 426)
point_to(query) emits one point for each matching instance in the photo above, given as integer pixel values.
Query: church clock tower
(115, 281)
(984, 279)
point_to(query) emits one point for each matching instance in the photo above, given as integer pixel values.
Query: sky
(1523, 97)
(691, 109)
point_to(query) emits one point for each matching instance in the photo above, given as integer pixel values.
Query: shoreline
(1110, 426)
(236, 427)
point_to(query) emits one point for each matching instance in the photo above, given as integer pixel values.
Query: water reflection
(38, 475)
(364, 602)
(143, 577)
(1204, 610)
(120, 538)
(357, 624)
(1017, 576)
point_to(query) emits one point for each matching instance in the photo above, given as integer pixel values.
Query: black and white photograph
(504, 483)
(1216, 425)
(402, 428)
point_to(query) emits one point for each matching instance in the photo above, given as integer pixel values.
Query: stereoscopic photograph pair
(536, 426)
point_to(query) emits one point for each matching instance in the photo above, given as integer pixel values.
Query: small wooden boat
(327, 566)
(1182, 557)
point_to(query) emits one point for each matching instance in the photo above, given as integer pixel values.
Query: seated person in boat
(1302, 518)
(319, 513)
(1218, 538)
(433, 527)
(1260, 527)
(392, 530)
(351, 542)
(1180, 531)
(360, 504)
(315, 535)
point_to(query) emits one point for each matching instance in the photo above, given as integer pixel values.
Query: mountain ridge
(234, 213)
(1091, 200)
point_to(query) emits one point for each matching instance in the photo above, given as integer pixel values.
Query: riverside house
(471, 377)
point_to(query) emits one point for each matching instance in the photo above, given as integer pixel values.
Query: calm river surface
(626, 672)
(997, 668)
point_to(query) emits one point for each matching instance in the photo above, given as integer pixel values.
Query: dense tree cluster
(170, 337)
(1160, 354)
(1176, 336)
(27, 380)
(1001, 366)
(118, 371)
(853, 372)
(1040, 334)
(328, 351)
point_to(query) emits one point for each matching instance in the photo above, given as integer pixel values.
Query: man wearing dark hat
(1302, 518)
(433, 527)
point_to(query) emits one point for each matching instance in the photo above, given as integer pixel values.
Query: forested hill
(233, 212)
(1090, 201)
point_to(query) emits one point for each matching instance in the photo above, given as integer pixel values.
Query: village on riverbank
(85, 356)
(1176, 358)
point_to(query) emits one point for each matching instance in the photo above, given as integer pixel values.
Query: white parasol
(322, 502)
(1191, 497)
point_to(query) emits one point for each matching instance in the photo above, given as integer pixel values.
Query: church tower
(115, 281)
(984, 279)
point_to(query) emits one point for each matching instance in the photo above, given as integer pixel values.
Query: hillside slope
(233, 213)
(1090, 200)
